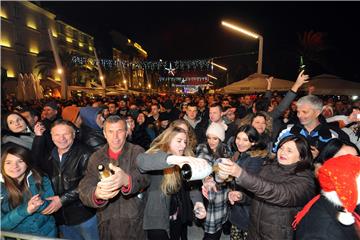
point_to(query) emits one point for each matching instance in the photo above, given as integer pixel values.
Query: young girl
(23, 195)
(168, 206)
(217, 210)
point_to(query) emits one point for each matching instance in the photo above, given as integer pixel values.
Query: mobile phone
(358, 116)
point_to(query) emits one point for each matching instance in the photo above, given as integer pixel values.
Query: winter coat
(252, 162)
(65, 176)
(120, 217)
(318, 137)
(321, 223)
(19, 220)
(279, 195)
(140, 136)
(157, 210)
(94, 138)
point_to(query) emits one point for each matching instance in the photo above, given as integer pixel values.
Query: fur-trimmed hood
(252, 153)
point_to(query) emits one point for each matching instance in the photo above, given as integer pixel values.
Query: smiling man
(316, 132)
(65, 168)
(119, 197)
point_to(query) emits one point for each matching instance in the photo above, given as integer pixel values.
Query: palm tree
(46, 64)
(313, 49)
(74, 73)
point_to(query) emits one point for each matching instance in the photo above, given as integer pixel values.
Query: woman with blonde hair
(181, 123)
(168, 197)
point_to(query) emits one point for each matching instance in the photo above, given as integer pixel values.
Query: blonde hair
(191, 132)
(171, 182)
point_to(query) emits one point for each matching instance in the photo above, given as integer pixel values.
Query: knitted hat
(216, 129)
(339, 179)
(52, 104)
(70, 113)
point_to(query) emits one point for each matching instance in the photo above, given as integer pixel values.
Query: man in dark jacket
(65, 168)
(316, 132)
(119, 198)
(215, 115)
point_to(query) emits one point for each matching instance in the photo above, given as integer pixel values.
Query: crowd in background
(271, 152)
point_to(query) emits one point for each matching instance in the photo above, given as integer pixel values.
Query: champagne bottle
(302, 65)
(191, 173)
(104, 173)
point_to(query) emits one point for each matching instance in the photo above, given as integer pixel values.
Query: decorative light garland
(203, 64)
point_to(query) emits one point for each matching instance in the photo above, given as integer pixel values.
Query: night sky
(192, 30)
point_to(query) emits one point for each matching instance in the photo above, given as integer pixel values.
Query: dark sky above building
(192, 30)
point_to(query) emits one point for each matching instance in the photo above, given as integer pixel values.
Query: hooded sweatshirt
(88, 115)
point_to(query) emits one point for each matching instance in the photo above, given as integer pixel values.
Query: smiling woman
(283, 187)
(16, 131)
(23, 194)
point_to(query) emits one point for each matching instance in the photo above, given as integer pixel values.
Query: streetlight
(253, 35)
(219, 66)
(211, 76)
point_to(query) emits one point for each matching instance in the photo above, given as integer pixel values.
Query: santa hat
(70, 113)
(339, 179)
(217, 130)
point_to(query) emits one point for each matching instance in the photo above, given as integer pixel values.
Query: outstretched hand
(181, 160)
(301, 79)
(229, 168)
(269, 82)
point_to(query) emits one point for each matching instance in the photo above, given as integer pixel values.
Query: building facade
(25, 33)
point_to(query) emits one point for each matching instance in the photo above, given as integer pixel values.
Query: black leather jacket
(65, 177)
(91, 137)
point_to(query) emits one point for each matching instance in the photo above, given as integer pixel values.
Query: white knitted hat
(216, 129)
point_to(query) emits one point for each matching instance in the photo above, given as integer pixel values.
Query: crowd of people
(112, 167)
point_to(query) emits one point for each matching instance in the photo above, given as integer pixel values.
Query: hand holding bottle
(110, 186)
(301, 79)
(229, 168)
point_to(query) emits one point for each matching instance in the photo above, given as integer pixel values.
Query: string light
(202, 64)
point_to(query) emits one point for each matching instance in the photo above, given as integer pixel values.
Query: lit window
(31, 24)
(69, 39)
(54, 33)
(10, 73)
(81, 44)
(34, 49)
(90, 48)
(3, 13)
(5, 42)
